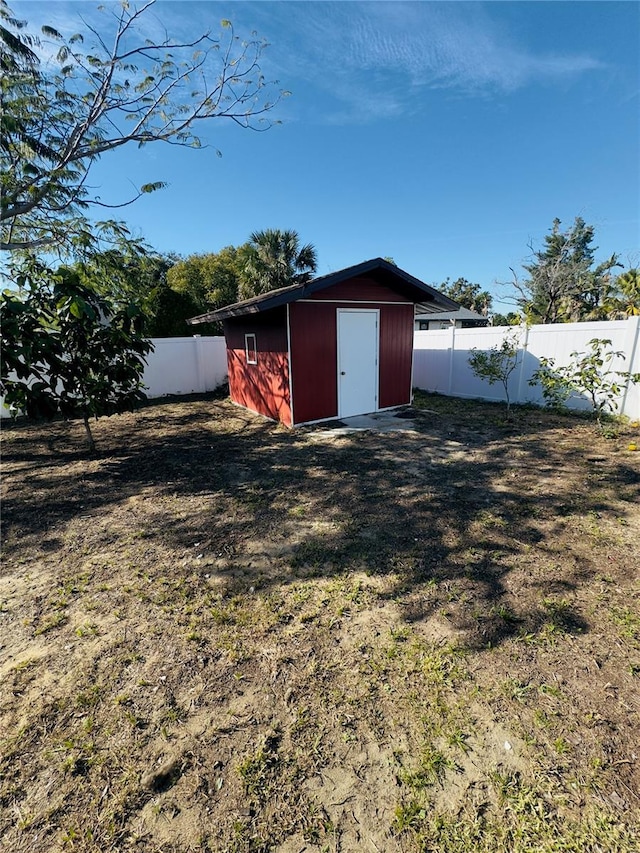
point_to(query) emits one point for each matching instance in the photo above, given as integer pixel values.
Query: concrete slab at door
(358, 335)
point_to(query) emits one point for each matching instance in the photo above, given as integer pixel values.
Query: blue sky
(447, 135)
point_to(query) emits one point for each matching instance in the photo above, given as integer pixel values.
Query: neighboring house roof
(377, 268)
(459, 314)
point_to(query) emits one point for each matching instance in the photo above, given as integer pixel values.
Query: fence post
(523, 349)
(451, 353)
(631, 348)
(197, 340)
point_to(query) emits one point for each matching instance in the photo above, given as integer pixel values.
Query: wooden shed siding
(261, 387)
(313, 355)
(396, 352)
(363, 288)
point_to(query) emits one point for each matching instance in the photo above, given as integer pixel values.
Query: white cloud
(374, 56)
(370, 58)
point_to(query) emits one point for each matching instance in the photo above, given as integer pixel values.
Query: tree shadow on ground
(443, 515)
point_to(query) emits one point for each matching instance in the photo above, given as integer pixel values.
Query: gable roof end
(383, 271)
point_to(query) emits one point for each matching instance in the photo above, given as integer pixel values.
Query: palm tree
(276, 260)
(624, 298)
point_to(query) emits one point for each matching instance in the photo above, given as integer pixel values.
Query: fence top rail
(551, 328)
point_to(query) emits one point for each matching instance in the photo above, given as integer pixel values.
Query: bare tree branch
(61, 123)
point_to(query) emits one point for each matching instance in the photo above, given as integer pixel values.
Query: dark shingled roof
(380, 270)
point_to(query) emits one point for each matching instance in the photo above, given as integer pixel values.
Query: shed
(337, 346)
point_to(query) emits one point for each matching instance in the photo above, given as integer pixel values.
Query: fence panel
(431, 364)
(185, 365)
(441, 359)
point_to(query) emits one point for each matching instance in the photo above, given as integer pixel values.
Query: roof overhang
(458, 314)
(380, 270)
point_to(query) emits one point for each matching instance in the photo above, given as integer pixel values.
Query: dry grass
(220, 635)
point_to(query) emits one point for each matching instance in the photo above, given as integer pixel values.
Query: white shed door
(357, 361)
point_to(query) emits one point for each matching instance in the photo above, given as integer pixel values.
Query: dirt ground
(222, 635)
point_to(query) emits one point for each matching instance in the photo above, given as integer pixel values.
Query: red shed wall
(313, 328)
(314, 380)
(261, 387)
(396, 354)
(360, 288)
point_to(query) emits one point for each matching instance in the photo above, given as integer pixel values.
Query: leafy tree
(105, 88)
(276, 260)
(211, 280)
(130, 271)
(588, 374)
(563, 285)
(467, 294)
(67, 350)
(168, 312)
(513, 318)
(497, 364)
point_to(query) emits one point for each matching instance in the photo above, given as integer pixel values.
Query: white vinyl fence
(185, 365)
(180, 366)
(440, 359)
(196, 365)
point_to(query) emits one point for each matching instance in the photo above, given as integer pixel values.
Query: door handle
(343, 373)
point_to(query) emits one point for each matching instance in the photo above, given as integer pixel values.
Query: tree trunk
(90, 441)
(506, 394)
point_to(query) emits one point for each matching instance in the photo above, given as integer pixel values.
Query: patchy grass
(220, 635)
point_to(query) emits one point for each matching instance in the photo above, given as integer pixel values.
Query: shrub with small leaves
(589, 374)
(496, 364)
